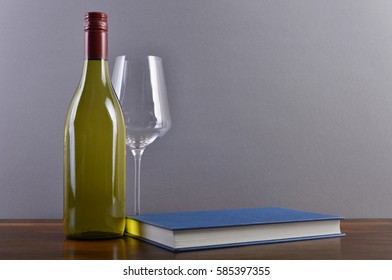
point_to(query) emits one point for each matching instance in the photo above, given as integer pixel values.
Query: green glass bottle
(94, 146)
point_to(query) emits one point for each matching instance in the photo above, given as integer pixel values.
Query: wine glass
(140, 86)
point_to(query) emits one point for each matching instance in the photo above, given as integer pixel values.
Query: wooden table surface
(44, 240)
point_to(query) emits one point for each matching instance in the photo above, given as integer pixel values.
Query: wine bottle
(94, 145)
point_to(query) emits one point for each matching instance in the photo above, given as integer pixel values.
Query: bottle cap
(96, 21)
(96, 35)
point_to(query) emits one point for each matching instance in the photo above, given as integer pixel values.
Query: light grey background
(285, 103)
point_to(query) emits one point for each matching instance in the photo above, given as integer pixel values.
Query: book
(182, 231)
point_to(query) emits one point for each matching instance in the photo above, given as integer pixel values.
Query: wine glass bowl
(140, 86)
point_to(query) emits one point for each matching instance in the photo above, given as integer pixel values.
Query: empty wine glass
(140, 87)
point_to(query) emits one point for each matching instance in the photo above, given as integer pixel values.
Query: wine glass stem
(137, 155)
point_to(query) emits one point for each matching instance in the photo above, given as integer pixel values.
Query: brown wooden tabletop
(44, 240)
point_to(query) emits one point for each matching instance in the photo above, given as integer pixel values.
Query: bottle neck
(96, 71)
(95, 45)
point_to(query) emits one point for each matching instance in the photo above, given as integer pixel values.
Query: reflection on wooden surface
(44, 239)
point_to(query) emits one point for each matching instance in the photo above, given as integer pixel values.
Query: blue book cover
(207, 224)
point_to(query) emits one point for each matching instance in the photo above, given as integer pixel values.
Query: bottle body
(94, 158)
